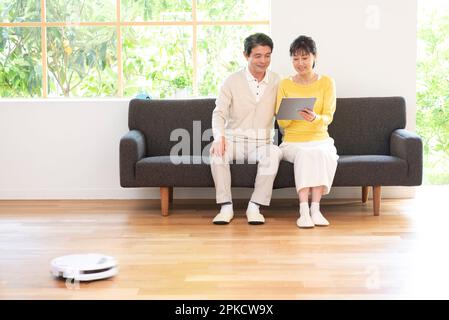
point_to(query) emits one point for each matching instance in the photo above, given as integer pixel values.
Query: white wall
(60, 149)
(367, 46)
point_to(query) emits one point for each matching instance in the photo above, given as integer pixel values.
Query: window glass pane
(82, 61)
(432, 96)
(20, 62)
(20, 10)
(220, 52)
(81, 10)
(158, 61)
(156, 10)
(219, 10)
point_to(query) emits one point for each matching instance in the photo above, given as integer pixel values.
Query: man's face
(259, 59)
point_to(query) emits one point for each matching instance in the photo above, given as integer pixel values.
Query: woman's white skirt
(315, 162)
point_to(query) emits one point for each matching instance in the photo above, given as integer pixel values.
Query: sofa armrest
(132, 149)
(407, 145)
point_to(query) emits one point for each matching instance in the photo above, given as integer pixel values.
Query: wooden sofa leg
(376, 200)
(170, 195)
(164, 200)
(364, 194)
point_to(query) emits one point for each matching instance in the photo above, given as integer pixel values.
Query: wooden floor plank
(399, 254)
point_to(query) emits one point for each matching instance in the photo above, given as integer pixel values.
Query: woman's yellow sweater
(301, 130)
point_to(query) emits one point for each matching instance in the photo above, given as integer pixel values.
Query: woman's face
(303, 62)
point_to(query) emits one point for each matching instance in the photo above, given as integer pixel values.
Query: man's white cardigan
(237, 114)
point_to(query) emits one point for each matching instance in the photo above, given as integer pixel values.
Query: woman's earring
(313, 64)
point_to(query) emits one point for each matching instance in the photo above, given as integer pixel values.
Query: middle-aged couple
(242, 124)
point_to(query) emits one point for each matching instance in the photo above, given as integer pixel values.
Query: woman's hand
(308, 115)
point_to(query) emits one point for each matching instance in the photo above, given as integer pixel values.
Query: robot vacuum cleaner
(84, 267)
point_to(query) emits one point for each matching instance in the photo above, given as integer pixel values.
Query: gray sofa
(374, 148)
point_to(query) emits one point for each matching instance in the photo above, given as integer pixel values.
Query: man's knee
(220, 160)
(217, 160)
(273, 154)
(269, 162)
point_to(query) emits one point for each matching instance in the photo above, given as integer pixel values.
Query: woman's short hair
(303, 44)
(257, 39)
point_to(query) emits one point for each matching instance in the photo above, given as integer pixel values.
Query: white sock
(304, 220)
(315, 207)
(252, 205)
(317, 216)
(227, 207)
(304, 208)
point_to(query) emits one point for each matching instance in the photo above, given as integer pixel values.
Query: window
(117, 48)
(432, 118)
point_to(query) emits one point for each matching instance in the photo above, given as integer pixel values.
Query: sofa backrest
(360, 125)
(364, 125)
(157, 120)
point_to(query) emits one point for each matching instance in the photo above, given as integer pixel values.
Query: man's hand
(218, 147)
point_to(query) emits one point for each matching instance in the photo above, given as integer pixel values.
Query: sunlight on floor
(429, 258)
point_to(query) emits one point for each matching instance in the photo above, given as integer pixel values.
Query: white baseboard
(183, 193)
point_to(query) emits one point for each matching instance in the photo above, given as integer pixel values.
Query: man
(242, 124)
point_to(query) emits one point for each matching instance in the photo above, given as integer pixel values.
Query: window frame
(43, 24)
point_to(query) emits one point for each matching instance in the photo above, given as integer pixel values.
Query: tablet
(288, 110)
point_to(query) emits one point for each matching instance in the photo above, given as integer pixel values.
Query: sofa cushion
(370, 170)
(361, 170)
(160, 171)
(188, 172)
(367, 170)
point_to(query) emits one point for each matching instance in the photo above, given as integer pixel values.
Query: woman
(306, 143)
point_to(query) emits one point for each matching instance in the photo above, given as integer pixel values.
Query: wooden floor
(400, 254)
